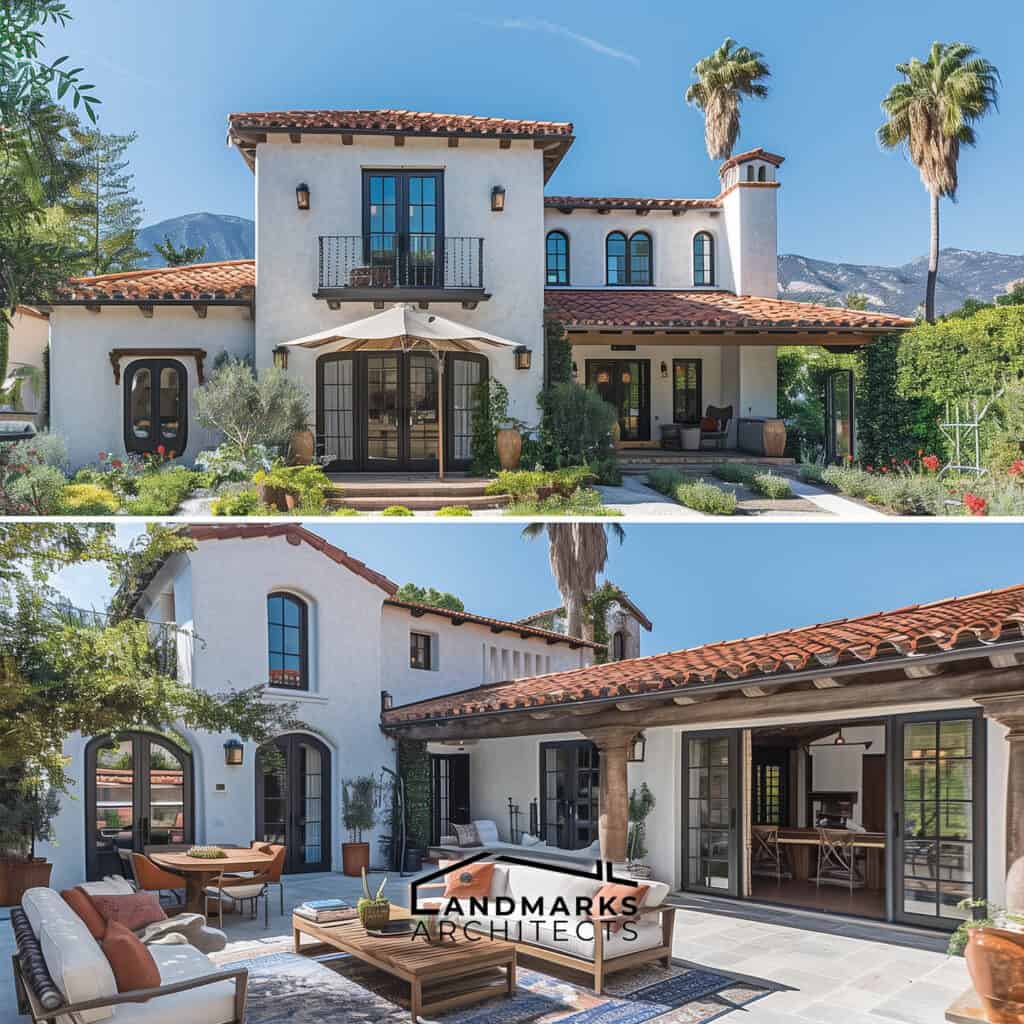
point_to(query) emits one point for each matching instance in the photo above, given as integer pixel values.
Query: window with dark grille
(287, 641)
(420, 651)
(703, 259)
(640, 259)
(618, 646)
(686, 387)
(557, 264)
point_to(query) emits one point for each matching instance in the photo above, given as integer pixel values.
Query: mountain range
(963, 273)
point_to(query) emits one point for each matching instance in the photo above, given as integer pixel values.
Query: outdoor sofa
(529, 846)
(61, 974)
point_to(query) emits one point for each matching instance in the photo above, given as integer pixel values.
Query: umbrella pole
(440, 414)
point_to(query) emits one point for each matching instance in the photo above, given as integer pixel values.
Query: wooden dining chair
(767, 851)
(153, 878)
(249, 888)
(837, 858)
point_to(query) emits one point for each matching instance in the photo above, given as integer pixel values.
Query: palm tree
(932, 112)
(578, 552)
(723, 79)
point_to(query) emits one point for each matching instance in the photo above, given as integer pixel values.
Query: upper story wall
(28, 336)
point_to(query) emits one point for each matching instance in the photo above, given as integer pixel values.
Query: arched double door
(293, 801)
(138, 794)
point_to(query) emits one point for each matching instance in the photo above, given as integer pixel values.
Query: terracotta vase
(16, 876)
(300, 448)
(774, 438)
(995, 958)
(355, 857)
(510, 447)
(277, 497)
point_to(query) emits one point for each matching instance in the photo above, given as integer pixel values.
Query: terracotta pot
(300, 448)
(995, 958)
(616, 432)
(18, 875)
(774, 438)
(277, 497)
(355, 857)
(510, 447)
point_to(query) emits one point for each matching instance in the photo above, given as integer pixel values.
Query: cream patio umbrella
(406, 328)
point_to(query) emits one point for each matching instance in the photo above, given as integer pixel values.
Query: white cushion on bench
(487, 831)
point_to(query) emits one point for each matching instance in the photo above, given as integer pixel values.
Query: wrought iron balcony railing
(400, 261)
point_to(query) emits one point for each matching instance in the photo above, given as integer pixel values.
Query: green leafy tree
(558, 352)
(428, 595)
(932, 113)
(724, 79)
(175, 257)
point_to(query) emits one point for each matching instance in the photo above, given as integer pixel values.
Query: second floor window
(618, 646)
(421, 651)
(629, 261)
(287, 647)
(703, 259)
(557, 263)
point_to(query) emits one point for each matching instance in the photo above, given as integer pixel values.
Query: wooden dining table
(803, 842)
(198, 872)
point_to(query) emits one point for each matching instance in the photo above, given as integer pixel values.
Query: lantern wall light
(524, 357)
(281, 358)
(498, 198)
(302, 196)
(233, 752)
(637, 749)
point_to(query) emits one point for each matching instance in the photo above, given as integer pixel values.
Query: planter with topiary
(640, 805)
(358, 816)
(26, 815)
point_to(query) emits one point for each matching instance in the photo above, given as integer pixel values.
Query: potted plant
(26, 815)
(640, 805)
(374, 911)
(508, 437)
(301, 443)
(993, 946)
(358, 816)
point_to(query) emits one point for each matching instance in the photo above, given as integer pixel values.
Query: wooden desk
(802, 841)
(198, 872)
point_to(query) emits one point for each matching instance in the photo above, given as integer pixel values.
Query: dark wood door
(626, 385)
(570, 782)
(873, 801)
(450, 793)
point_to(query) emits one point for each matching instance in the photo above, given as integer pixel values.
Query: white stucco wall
(27, 339)
(88, 407)
(758, 381)
(751, 218)
(287, 240)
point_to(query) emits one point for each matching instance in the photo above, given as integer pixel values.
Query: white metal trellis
(962, 429)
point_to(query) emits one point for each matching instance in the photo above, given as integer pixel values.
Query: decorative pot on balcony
(277, 497)
(301, 448)
(355, 858)
(18, 874)
(995, 958)
(510, 447)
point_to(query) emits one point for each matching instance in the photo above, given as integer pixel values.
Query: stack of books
(326, 911)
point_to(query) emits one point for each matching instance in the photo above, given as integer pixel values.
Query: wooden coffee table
(453, 973)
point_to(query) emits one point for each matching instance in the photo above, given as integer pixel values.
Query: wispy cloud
(540, 25)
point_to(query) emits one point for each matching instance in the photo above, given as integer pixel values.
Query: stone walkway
(829, 969)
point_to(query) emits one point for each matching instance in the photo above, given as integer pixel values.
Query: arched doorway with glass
(293, 800)
(139, 794)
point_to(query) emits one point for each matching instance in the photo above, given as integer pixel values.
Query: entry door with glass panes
(939, 816)
(711, 812)
(570, 781)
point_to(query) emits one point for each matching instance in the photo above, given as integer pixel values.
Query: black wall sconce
(637, 749)
(664, 368)
(387, 701)
(302, 196)
(498, 198)
(281, 357)
(233, 752)
(524, 357)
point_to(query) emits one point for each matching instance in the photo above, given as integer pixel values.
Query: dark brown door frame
(572, 797)
(591, 367)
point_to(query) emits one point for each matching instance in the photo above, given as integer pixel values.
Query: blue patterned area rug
(285, 988)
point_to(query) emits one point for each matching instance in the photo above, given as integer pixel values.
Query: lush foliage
(584, 502)
(88, 500)
(452, 511)
(991, 916)
(175, 257)
(27, 810)
(358, 811)
(239, 503)
(160, 492)
(558, 352)
(696, 494)
(415, 769)
(576, 426)
(307, 484)
(522, 483)
(641, 803)
(490, 414)
(429, 595)
(227, 464)
(770, 485)
(397, 510)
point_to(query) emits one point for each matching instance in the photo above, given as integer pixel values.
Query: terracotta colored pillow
(709, 424)
(133, 965)
(472, 880)
(134, 911)
(78, 900)
(613, 895)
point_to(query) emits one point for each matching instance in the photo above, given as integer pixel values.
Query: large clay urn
(510, 447)
(301, 448)
(774, 438)
(277, 497)
(995, 958)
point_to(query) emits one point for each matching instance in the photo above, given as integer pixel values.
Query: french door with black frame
(840, 417)
(450, 797)
(403, 227)
(711, 812)
(570, 783)
(626, 385)
(138, 794)
(293, 801)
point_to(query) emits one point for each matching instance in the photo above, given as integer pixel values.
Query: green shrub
(397, 510)
(911, 494)
(227, 464)
(344, 511)
(240, 503)
(771, 486)
(308, 484)
(607, 470)
(45, 448)
(89, 475)
(706, 498)
(160, 493)
(664, 480)
(576, 425)
(88, 499)
(735, 473)
(584, 502)
(521, 483)
(853, 482)
(811, 472)
(490, 413)
(453, 510)
(38, 490)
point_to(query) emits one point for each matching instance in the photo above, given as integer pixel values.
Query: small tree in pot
(27, 810)
(358, 816)
(640, 805)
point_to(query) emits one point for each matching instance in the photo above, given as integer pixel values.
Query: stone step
(456, 490)
(418, 502)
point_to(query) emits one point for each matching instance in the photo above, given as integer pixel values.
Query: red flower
(161, 450)
(931, 463)
(976, 505)
(906, 462)
(870, 469)
(117, 464)
(1017, 468)
(849, 458)
(103, 455)
(885, 469)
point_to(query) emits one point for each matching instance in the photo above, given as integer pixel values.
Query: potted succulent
(358, 816)
(993, 946)
(640, 805)
(374, 911)
(26, 815)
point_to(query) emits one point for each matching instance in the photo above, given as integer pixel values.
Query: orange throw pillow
(709, 424)
(471, 880)
(78, 900)
(612, 896)
(133, 965)
(134, 911)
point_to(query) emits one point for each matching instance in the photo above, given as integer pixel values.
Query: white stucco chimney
(749, 182)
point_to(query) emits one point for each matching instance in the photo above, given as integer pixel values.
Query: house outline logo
(603, 872)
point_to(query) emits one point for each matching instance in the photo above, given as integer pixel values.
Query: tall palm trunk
(933, 261)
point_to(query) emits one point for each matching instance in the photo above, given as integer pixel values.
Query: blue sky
(696, 583)
(173, 71)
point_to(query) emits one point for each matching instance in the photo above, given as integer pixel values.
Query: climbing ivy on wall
(414, 768)
(596, 611)
(557, 352)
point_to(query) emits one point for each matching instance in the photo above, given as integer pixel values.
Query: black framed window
(618, 645)
(288, 641)
(421, 652)
(557, 258)
(686, 390)
(762, 173)
(615, 258)
(403, 230)
(703, 259)
(641, 265)
(629, 262)
(155, 406)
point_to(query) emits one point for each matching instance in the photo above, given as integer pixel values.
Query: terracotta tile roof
(295, 535)
(717, 310)
(498, 625)
(976, 620)
(626, 203)
(226, 281)
(752, 154)
(32, 312)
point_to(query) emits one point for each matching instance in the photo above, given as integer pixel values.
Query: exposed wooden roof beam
(825, 683)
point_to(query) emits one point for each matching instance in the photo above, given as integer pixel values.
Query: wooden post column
(613, 822)
(1009, 711)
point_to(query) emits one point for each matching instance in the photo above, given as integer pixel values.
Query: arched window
(762, 173)
(155, 406)
(640, 265)
(557, 262)
(288, 641)
(750, 172)
(703, 259)
(615, 258)
(618, 646)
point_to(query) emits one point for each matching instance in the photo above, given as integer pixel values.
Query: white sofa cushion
(487, 831)
(208, 1004)
(536, 883)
